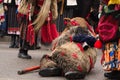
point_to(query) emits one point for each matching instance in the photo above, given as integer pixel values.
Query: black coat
(84, 7)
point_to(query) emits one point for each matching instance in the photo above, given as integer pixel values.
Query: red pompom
(98, 44)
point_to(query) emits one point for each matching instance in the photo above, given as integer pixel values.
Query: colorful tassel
(30, 37)
(98, 44)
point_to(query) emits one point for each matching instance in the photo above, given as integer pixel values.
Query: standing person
(83, 8)
(38, 15)
(65, 10)
(25, 14)
(2, 20)
(92, 16)
(88, 9)
(109, 33)
(10, 7)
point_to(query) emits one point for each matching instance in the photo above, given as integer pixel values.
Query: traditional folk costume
(45, 22)
(92, 16)
(37, 16)
(12, 24)
(71, 57)
(27, 11)
(110, 18)
(88, 9)
(2, 20)
(65, 10)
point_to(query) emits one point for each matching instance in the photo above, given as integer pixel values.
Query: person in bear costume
(74, 53)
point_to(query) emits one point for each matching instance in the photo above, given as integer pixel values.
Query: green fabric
(108, 10)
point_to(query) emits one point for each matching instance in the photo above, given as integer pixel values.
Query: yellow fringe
(114, 2)
(23, 7)
(54, 9)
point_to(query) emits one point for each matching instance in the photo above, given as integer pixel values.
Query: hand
(5, 8)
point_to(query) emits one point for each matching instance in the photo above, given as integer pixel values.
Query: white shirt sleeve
(71, 2)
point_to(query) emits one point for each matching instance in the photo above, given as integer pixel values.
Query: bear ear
(67, 19)
(67, 22)
(98, 44)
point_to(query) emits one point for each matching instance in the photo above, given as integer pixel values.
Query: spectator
(108, 28)
(2, 20)
(10, 7)
(41, 19)
(65, 10)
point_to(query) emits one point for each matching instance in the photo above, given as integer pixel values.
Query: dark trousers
(14, 43)
(83, 8)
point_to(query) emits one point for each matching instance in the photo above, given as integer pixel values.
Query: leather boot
(17, 41)
(113, 75)
(2, 33)
(74, 75)
(24, 54)
(49, 72)
(12, 42)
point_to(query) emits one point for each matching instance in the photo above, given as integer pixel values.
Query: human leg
(23, 51)
(24, 54)
(12, 41)
(16, 41)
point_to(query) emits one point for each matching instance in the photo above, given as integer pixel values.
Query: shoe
(2, 33)
(12, 42)
(11, 46)
(24, 55)
(113, 75)
(31, 47)
(16, 46)
(74, 75)
(17, 42)
(49, 72)
(37, 47)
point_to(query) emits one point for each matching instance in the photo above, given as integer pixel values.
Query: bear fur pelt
(69, 55)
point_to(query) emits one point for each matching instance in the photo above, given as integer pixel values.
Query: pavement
(10, 64)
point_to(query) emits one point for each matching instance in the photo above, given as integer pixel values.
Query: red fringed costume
(29, 12)
(48, 30)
